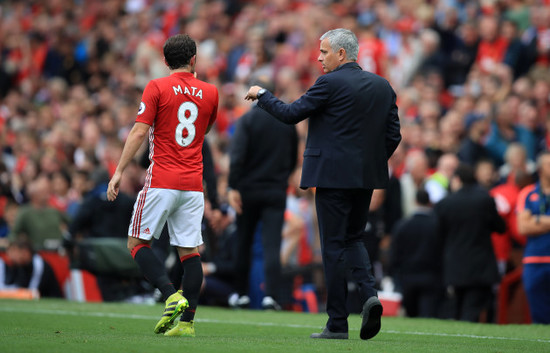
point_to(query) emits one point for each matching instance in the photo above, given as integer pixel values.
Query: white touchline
(149, 317)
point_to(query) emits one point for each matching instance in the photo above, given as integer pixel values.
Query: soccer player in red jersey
(175, 112)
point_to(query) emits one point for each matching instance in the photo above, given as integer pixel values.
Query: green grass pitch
(46, 326)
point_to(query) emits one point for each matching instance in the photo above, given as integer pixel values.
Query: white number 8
(186, 123)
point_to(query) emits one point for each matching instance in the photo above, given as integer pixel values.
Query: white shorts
(182, 210)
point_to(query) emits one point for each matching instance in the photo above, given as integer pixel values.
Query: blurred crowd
(472, 80)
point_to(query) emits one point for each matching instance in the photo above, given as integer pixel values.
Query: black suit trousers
(265, 207)
(342, 215)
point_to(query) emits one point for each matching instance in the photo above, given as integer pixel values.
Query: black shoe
(372, 315)
(330, 335)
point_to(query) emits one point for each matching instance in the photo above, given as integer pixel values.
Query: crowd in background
(472, 80)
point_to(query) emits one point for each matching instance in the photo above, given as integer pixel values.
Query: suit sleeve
(294, 150)
(393, 134)
(302, 108)
(237, 152)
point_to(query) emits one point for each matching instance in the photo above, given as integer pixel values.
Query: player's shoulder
(527, 192)
(159, 82)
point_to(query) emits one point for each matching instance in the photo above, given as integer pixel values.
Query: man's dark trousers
(266, 207)
(342, 216)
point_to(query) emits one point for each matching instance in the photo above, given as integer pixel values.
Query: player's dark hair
(178, 51)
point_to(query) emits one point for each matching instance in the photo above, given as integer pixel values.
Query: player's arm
(532, 225)
(133, 142)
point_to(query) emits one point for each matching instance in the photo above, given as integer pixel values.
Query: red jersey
(372, 55)
(491, 53)
(179, 109)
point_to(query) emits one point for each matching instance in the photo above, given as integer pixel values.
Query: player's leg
(150, 265)
(147, 222)
(184, 226)
(191, 287)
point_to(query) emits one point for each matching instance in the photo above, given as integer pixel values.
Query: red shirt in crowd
(372, 55)
(491, 53)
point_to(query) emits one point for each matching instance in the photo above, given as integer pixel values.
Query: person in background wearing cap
(263, 154)
(472, 149)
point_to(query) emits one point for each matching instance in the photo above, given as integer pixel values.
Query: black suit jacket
(415, 253)
(263, 152)
(353, 128)
(466, 220)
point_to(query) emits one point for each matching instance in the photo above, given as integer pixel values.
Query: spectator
(27, 269)
(413, 179)
(37, 222)
(466, 219)
(416, 259)
(515, 161)
(438, 183)
(472, 148)
(462, 57)
(492, 47)
(61, 181)
(534, 222)
(99, 218)
(504, 131)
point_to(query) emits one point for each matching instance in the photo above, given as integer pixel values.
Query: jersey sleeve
(149, 104)
(522, 198)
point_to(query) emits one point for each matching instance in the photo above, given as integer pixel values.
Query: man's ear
(342, 54)
(193, 61)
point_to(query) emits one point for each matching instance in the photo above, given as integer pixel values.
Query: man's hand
(234, 198)
(114, 184)
(252, 94)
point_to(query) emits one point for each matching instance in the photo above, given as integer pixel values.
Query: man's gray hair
(343, 38)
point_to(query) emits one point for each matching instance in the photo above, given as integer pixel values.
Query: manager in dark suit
(353, 130)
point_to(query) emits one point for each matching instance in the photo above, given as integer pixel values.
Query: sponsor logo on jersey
(141, 108)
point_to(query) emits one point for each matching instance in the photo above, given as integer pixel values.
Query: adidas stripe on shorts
(181, 210)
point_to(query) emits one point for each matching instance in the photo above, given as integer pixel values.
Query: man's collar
(346, 65)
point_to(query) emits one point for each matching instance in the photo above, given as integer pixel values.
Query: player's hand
(234, 198)
(252, 94)
(112, 188)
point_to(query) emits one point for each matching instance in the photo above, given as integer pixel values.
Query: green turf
(60, 326)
